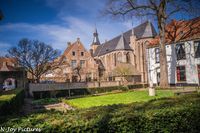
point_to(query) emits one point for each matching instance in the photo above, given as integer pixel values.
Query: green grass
(119, 98)
(8, 95)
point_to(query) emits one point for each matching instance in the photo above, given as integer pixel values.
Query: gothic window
(73, 63)
(128, 58)
(119, 57)
(180, 51)
(197, 49)
(157, 55)
(180, 72)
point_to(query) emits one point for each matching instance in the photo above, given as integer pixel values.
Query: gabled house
(183, 53)
(11, 74)
(78, 65)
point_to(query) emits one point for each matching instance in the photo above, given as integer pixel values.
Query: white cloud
(4, 47)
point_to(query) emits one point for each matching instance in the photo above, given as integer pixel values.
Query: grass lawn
(8, 95)
(124, 98)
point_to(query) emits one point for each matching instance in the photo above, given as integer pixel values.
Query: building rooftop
(144, 30)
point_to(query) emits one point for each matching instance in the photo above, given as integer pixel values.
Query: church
(102, 60)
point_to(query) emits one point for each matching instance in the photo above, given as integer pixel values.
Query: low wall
(69, 86)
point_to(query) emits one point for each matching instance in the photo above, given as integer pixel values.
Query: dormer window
(197, 49)
(180, 51)
(73, 53)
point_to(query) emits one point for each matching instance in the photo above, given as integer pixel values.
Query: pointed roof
(122, 44)
(144, 30)
(95, 38)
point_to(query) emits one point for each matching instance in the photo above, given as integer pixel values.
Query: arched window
(128, 58)
(119, 57)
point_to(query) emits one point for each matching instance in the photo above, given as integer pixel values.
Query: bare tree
(159, 10)
(124, 70)
(36, 57)
(77, 70)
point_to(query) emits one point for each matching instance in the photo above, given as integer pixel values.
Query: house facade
(11, 74)
(78, 65)
(183, 54)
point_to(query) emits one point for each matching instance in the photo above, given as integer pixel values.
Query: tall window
(82, 53)
(82, 63)
(157, 55)
(73, 63)
(198, 69)
(197, 49)
(180, 71)
(128, 58)
(119, 57)
(73, 53)
(180, 51)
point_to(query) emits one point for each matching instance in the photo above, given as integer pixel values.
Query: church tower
(95, 42)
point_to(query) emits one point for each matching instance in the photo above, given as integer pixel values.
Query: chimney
(68, 44)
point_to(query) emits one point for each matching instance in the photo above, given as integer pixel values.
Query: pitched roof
(179, 31)
(5, 64)
(144, 30)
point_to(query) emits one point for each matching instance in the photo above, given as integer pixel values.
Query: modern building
(183, 54)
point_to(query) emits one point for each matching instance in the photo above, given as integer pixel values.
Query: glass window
(180, 51)
(197, 49)
(73, 63)
(82, 53)
(157, 55)
(82, 63)
(73, 53)
(180, 71)
(198, 69)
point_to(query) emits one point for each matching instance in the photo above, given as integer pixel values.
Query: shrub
(176, 114)
(11, 101)
(136, 86)
(106, 89)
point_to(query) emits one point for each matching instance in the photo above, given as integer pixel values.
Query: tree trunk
(163, 58)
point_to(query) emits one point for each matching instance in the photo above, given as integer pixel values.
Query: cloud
(4, 47)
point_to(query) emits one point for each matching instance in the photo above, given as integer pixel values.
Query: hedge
(11, 101)
(176, 114)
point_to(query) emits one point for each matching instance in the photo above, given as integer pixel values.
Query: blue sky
(56, 22)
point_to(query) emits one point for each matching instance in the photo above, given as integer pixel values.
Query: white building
(183, 54)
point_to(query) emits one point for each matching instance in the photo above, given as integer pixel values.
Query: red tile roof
(179, 31)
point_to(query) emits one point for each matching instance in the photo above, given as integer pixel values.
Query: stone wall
(68, 86)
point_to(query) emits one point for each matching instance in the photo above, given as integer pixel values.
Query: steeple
(95, 38)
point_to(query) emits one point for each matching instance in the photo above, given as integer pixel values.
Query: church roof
(144, 30)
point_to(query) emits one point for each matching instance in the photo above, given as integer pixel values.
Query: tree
(124, 70)
(77, 70)
(36, 57)
(159, 10)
